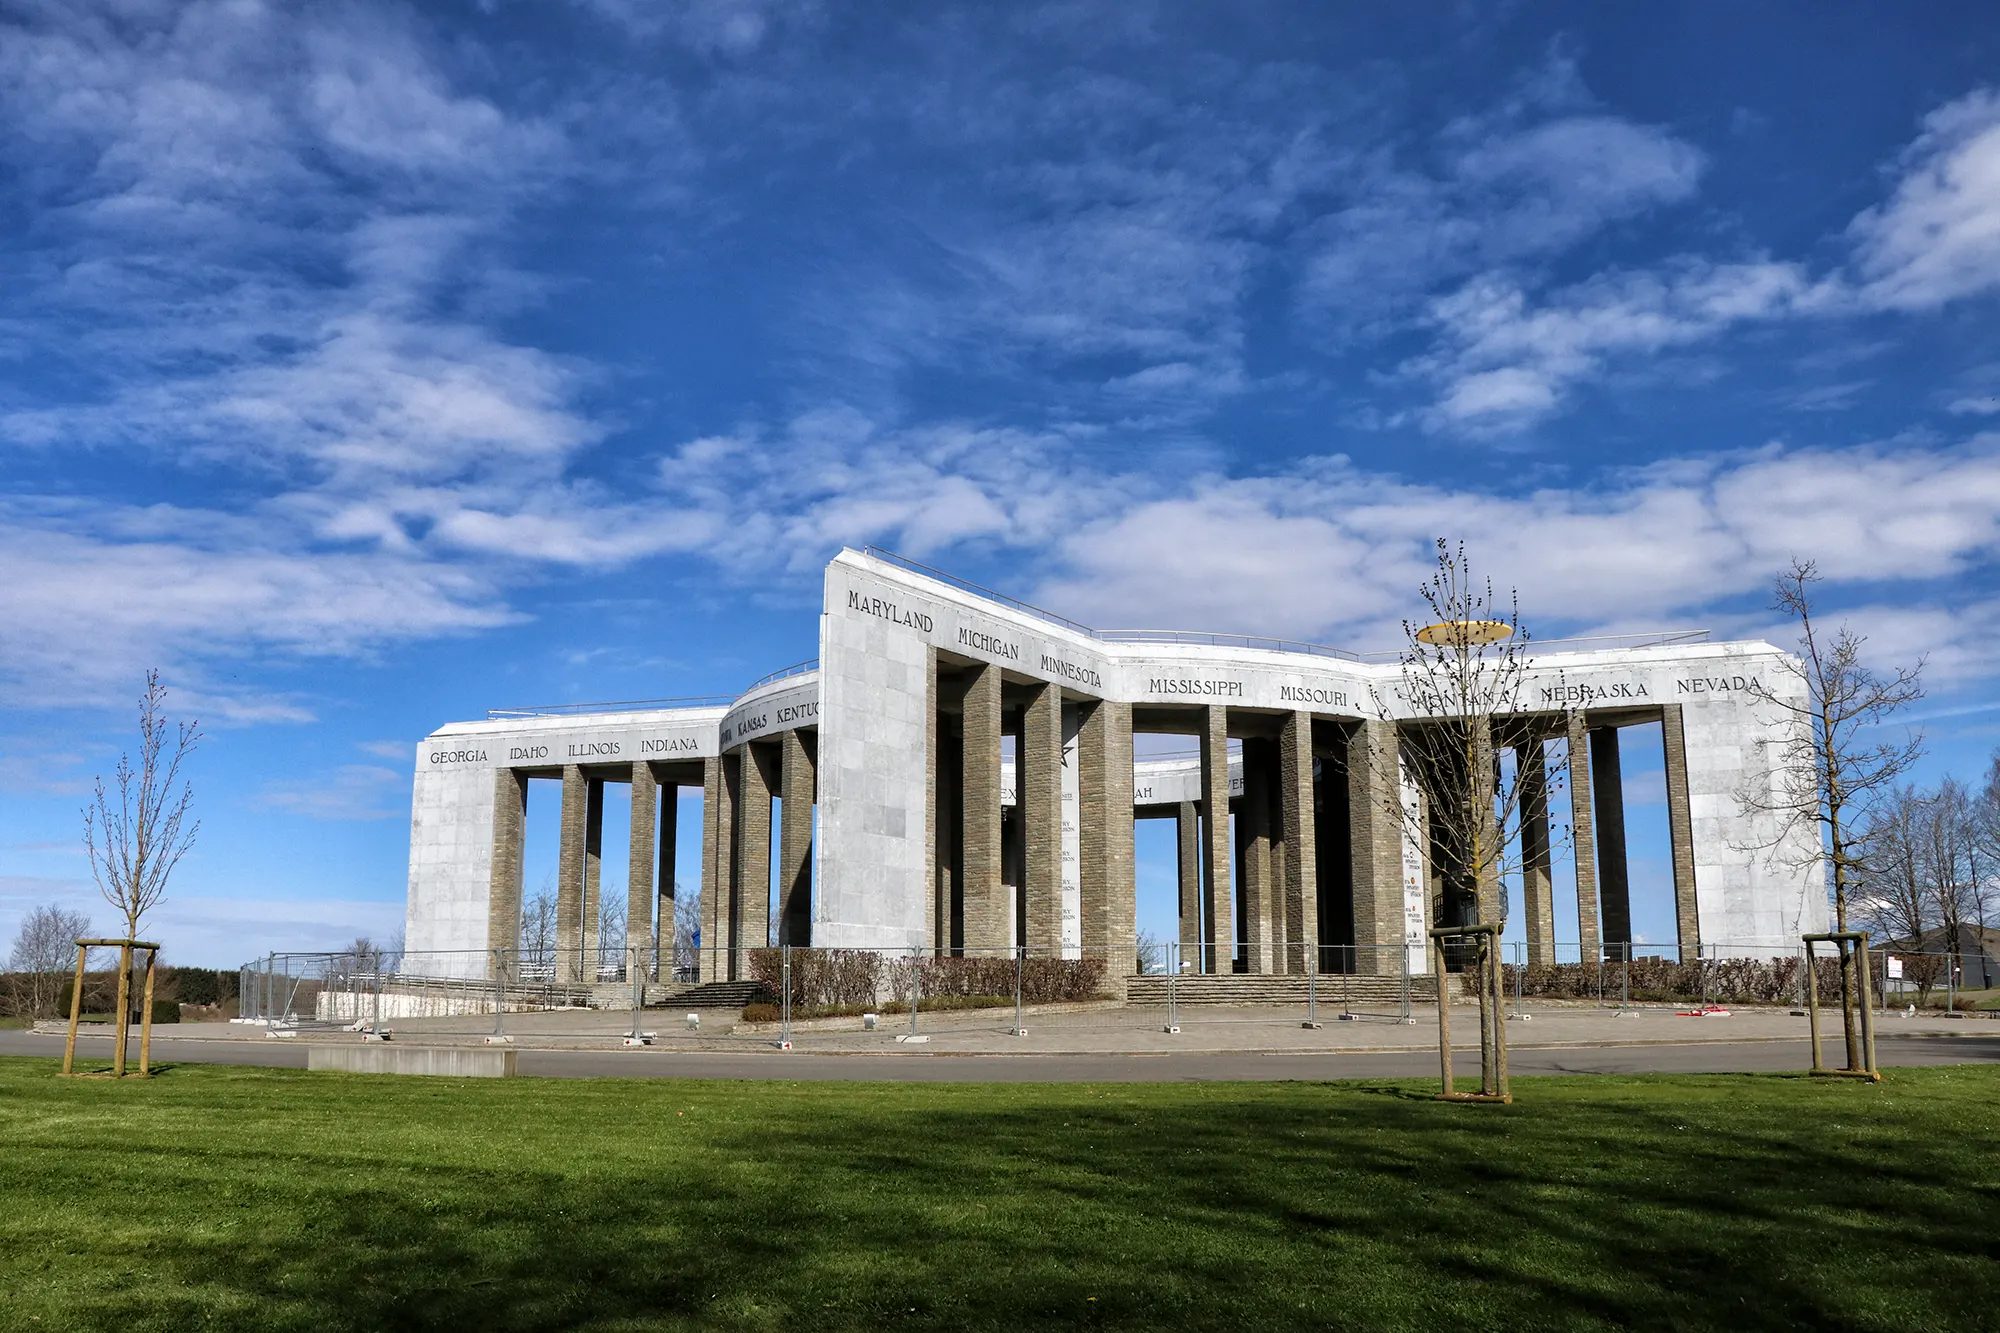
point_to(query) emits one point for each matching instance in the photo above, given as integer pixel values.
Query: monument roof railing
(805, 668)
(1264, 643)
(614, 706)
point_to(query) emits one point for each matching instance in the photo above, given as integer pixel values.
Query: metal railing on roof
(620, 706)
(1256, 641)
(1642, 639)
(811, 664)
(1026, 608)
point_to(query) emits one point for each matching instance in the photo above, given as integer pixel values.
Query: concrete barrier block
(446, 1061)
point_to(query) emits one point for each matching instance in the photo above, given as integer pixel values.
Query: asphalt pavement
(1705, 1057)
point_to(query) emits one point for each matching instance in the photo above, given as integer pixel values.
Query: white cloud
(95, 594)
(1526, 180)
(1937, 237)
(1336, 551)
(351, 791)
(1508, 359)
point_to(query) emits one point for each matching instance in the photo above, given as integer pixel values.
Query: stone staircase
(707, 995)
(1245, 988)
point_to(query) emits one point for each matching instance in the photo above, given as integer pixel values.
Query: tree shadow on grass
(530, 1206)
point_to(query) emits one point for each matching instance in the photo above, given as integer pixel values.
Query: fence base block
(447, 1061)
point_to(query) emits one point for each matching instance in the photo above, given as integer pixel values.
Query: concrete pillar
(1038, 778)
(1301, 841)
(570, 857)
(1187, 824)
(665, 934)
(1253, 836)
(718, 865)
(1614, 884)
(1216, 903)
(644, 852)
(593, 874)
(798, 790)
(757, 784)
(1680, 831)
(937, 854)
(1584, 837)
(985, 905)
(1537, 892)
(1376, 842)
(503, 892)
(1108, 888)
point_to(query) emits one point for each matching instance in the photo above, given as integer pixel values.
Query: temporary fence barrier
(795, 996)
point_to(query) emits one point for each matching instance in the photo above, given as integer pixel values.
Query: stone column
(664, 931)
(1584, 837)
(1301, 835)
(1187, 823)
(985, 904)
(1376, 838)
(718, 865)
(593, 875)
(570, 858)
(753, 854)
(1216, 904)
(1104, 791)
(798, 790)
(1680, 831)
(937, 894)
(1038, 774)
(503, 894)
(1253, 833)
(1613, 878)
(1537, 892)
(644, 851)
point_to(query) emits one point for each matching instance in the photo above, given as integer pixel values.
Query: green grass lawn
(262, 1199)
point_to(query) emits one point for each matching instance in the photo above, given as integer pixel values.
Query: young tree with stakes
(135, 841)
(1829, 770)
(1461, 696)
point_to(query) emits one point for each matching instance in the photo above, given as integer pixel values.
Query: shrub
(1728, 980)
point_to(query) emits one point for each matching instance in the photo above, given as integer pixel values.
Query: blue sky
(366, 366)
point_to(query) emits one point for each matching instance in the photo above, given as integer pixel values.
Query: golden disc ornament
(1452, 633)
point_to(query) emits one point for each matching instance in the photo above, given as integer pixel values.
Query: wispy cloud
(351, 791)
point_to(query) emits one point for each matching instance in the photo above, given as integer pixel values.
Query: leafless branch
(1828, 771)
(135, 841)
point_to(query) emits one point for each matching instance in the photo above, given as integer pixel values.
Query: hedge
(835, 977)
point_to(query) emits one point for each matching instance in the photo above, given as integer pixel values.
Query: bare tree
(1829, 772)
(538, 931)
(136, 840)
(1460, 702)
(687, 928)
(1891, 898)
(611, 930)
(1986, 863)
(1462, 688)
(1951, 866)
(1152, 953)
(44, 952)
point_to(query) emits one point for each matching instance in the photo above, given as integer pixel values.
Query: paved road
(1709, 1057)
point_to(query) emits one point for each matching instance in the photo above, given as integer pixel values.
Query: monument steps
(712, 995)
